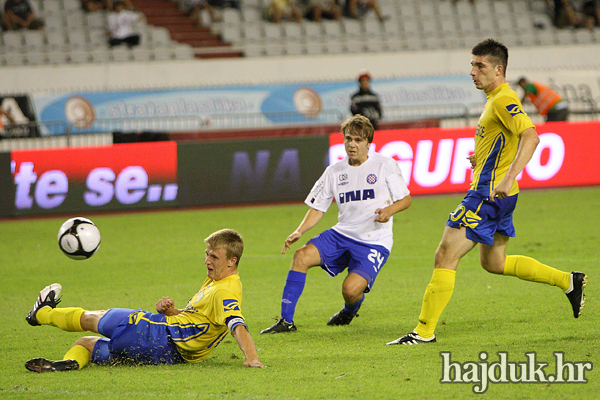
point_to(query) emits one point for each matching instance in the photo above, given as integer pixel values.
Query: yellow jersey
(497, 139)
(207, 318)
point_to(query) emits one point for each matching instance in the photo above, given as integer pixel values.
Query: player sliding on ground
(368, 189)
(170, 337)
(504, 143)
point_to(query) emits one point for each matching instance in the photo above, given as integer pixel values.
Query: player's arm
(244, 340)
(386, 213)
(166, 306)
(527, 145)
(311, 218)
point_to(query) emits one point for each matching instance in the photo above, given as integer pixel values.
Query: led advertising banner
(116, 177)
(435, 160)
(250, 171)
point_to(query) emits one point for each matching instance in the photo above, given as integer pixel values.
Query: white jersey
(359, 191)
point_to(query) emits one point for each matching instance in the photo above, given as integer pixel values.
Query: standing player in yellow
(170, 337)
(504, 143)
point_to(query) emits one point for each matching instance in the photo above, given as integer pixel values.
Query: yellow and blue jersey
(207, 318)
(497, 139)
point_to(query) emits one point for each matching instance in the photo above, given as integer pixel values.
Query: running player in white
(368, 189)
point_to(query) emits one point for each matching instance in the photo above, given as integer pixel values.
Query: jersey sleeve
(395, 181)
(511, 115)
(227, 309)
(321, 195)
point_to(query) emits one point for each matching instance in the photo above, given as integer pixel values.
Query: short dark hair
(497, 52)
(229, 240)
(359, 125)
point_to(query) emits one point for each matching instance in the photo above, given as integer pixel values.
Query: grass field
(148, 255)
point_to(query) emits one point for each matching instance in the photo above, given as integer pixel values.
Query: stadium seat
(332, 30)
(159, 37)
(59, 56)
(163, 53)
(79, 56)
(71, 5)
(13, 40)
(121, 54)
(141, 53)
(183, 52)
(35, 57)
(56, 40)
(292, 31)
(96, 20)
(33, 40)
(252, 33)
(51, 7)
(272, 31)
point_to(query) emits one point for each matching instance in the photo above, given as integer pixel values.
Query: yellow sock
(68, 319)
(437, 295)
(529, 269)
(79, 354)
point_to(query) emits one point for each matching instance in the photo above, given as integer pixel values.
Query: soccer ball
(79, 238)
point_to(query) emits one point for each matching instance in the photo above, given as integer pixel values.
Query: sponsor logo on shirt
(514, 109)
(357, 195)
(231, 305)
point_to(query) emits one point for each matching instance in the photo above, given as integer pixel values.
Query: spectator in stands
(18, 14)
(316, 10)
(357, 9)
(5, 115)
(591, 9)
(282, 9)
(93, 5)
(120, 26)
(366, 102)
(195, 8)
(566, 15)
(548, 102)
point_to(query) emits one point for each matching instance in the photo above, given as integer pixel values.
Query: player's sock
(68, 319)
(294, 285)
(529, 269)
(352, 309)
(437, 295)
(79, 354)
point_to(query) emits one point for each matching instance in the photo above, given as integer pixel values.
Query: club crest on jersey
(514, 110)
(371, 179)
(231, 305)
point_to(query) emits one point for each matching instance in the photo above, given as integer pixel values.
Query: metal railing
(60, 133)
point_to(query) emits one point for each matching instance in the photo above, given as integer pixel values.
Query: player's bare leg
(353, 291)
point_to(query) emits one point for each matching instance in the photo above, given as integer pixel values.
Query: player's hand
(164, 304)
(384, 215)
(253, 364)
(501, 191)
(293, 238)
(472, 160)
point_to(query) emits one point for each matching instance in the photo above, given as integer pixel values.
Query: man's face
(217, 264)
(357, 148)
(484, 73)
(364, 83)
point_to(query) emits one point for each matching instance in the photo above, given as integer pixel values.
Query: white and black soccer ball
(79, 238)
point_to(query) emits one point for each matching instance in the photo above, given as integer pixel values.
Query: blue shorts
(135, 334)
(482, 217)
(339, 252)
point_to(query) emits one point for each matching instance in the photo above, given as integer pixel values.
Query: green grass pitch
(145, 256)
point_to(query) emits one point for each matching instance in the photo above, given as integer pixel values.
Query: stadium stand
(413, 25)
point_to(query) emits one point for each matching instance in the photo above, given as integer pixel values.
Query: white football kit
(359, 191)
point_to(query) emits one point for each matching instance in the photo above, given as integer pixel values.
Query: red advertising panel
(119, 176)
(435, 160)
